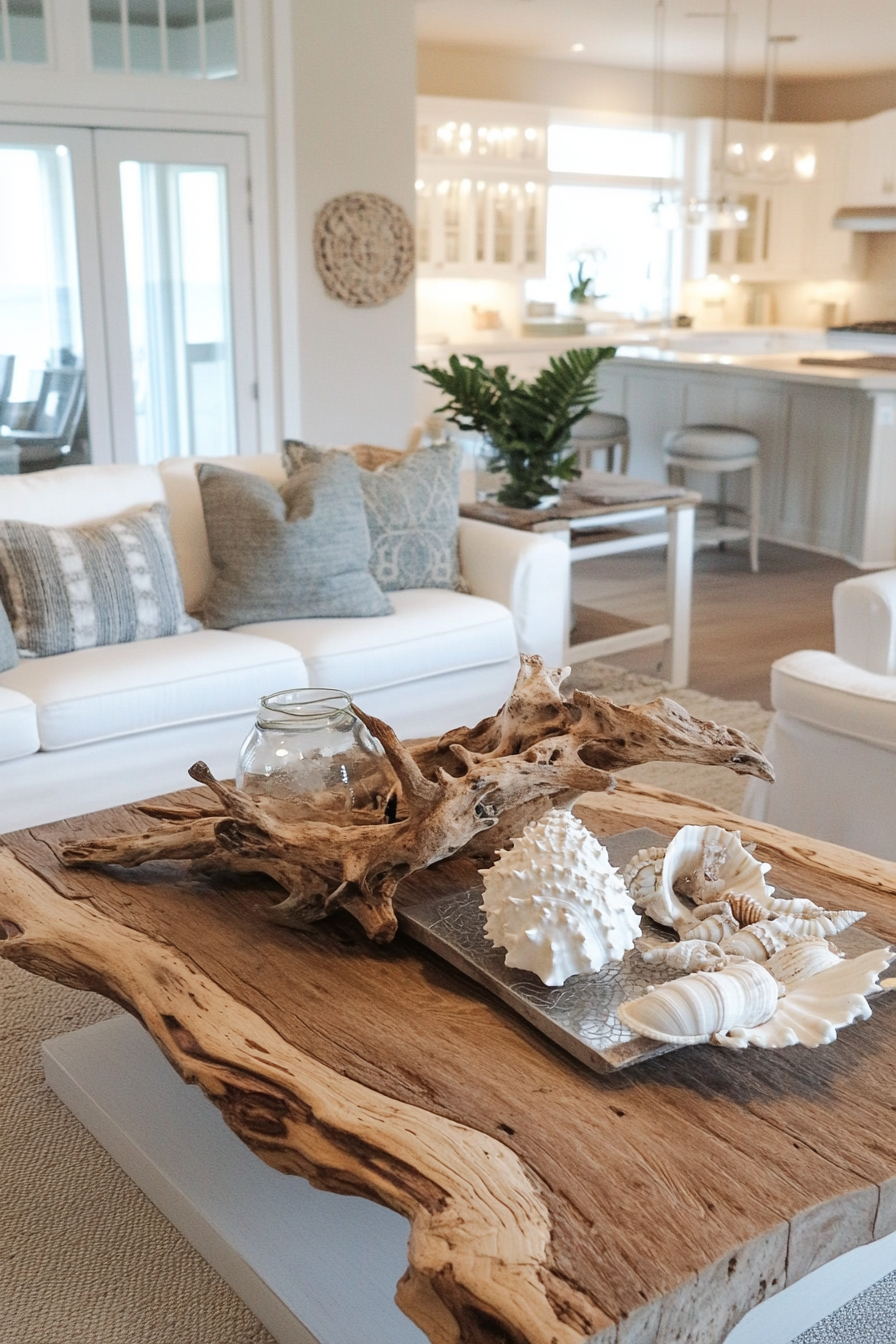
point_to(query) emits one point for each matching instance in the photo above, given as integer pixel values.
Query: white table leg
(679, 575)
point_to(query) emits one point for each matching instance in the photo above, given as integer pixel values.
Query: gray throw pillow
(412, 508)
(302, 550)
(9, 654)
(68, 588)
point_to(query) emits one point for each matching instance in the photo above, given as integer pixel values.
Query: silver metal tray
(580, 1015)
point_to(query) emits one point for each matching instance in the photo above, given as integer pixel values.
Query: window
(615, 232)
(609, 151)
(23, 37)
(195, 39)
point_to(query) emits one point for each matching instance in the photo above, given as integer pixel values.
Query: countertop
(784, 367)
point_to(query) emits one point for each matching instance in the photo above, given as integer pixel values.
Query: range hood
(866, 218)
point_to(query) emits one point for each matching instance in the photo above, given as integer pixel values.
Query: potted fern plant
(527, 424)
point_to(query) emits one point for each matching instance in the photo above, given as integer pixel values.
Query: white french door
(128, 253)
(177, 291)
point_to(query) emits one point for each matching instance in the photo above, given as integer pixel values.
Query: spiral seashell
(788, 905)
(703, 862)
(556, 903)
(643, 873)
(691, 1011)
(745, 909)
(693, 954)
(800, 960)
(824, 924)
(758, 941)
(713, 927)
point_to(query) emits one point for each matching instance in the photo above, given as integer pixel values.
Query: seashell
(701, 863)
(690, 955)
(556, 903)
(824, 924)
(694, 1009)
(788, 905)
(761, 941)
(717, 922)
(813, 1010)
(643, 873)
(745, 909)
(800, 960)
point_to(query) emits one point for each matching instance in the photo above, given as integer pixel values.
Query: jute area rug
(85, 1258)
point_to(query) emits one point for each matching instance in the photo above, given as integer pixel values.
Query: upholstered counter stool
(719, 448)
(599, 431)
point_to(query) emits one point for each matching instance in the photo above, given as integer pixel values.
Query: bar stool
(720, 448)
(599, 431)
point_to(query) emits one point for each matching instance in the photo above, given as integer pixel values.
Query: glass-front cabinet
(481, 191)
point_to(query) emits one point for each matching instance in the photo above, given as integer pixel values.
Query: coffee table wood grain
(547, 1205)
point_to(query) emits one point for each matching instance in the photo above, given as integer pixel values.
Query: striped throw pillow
(68, 588)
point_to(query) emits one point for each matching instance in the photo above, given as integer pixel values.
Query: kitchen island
(827, 433)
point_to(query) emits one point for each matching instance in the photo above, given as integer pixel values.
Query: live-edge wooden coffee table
(547, 1205)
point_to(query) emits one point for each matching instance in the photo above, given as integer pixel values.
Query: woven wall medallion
(363, 249)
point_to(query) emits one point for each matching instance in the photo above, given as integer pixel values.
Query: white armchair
(833, 738)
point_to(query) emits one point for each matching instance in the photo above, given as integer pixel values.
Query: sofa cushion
(431, 631)
(178, 476)
(133, 688)
(411, 501)
(69, 588)
(18, 725)
(9, 654)
(297, 552)
(73, 496)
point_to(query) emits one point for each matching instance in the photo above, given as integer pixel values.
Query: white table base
(315, 1268)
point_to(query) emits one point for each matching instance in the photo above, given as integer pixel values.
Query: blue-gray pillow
(412, 508)
(302, 550)
(9, 654)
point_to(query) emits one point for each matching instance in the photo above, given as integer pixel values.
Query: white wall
(354, 77)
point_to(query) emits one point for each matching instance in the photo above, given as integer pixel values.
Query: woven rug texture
(85, 1258)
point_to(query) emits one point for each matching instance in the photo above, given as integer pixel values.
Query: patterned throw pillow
(302, 550)
(411, 504)
(68, 588)
(9, 654)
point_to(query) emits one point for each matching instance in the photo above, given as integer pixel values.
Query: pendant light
(721, 213)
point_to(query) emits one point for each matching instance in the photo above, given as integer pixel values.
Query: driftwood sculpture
(467, 792)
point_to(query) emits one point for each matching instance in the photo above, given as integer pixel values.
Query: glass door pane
(178, 290)
(178, 295)
(43, 419)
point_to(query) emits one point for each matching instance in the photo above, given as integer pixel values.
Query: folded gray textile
(302, 550)
(605, 487)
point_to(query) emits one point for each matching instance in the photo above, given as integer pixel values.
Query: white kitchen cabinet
(481, 189)
(871, 150)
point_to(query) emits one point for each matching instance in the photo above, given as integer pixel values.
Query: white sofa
(832, 740)
(103, 726)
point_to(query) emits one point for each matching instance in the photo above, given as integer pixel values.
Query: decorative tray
(580, 1016)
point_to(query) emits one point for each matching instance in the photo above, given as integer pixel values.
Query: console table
(591, 530)
(547, 1205)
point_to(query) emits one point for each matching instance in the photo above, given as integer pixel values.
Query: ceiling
(834, 36)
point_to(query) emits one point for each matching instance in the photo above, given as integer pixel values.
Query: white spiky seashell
(692, 954)
(556, 903)
(643, 874)
(813, 1010)
(693, 1010)
(702, 863)
(761, 941)
(824, 924)
(800, 960)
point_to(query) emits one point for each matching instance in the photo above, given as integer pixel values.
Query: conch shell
(556, 903)
(697, 1008)
(703, 863)
(692, 954)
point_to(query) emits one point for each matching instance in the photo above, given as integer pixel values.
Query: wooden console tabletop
(547, 1205)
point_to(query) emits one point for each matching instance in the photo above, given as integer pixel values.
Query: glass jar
(309, 749)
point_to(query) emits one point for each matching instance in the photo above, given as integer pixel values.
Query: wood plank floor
(742, 621)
